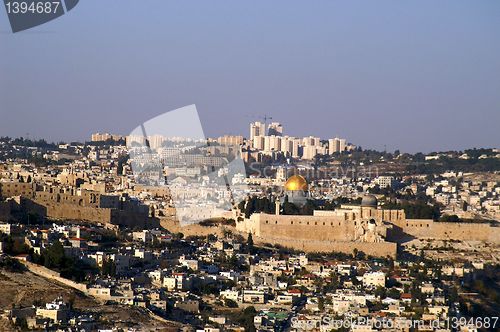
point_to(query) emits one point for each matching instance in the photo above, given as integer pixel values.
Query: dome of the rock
(295, 183)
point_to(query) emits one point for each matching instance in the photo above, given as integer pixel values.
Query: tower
(276, 129)
(257, 129)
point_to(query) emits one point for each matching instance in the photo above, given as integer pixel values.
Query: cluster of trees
(13, 246)
(288, 208)
(265, 205)
(417, 210)
(108, 268)
(55, 258)
(450, 218)
(446, 163)
(257, 205)
(41, 143)
(108, 142)
(11, 264)
(487, 283)
(384, 292)
(246, 317)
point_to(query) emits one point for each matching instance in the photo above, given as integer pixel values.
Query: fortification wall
(71, 211)
(429, 229)
(382, 249)
(173, 226)
(53, 275)
(321, 228)
(9, 189)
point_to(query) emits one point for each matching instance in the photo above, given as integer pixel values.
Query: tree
(250, 240)
(108, 268)
(289, 208)
(449, 218)
(54, 256)
(321, 303)
(393, 293)
(230, 303)
(380, 292)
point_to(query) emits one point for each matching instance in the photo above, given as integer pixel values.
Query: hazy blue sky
(414, 75)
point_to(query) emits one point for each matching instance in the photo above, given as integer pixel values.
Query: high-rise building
(342, 144)
(276, 129)
(156, 141)
(295, 148)
(103, 137)
(333, 145)
(258, 142)
(281, 174)
(257, 129)
(287, 145)
(336, 145)
(136, 140)
(309, 151)
(230, 140)
(272, 143)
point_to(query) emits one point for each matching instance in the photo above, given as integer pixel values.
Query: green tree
(250, 240)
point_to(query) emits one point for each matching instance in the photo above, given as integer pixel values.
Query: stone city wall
(75, 212)
(382, 249)
(430, 229)
(173, 226)
(53, 275)
(321, 228)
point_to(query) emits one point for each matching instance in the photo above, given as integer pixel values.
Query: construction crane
(264, 117)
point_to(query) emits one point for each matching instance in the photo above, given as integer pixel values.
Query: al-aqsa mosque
(366, 227)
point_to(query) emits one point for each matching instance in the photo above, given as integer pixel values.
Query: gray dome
(369, 201)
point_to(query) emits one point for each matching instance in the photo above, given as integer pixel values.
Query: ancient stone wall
(53, 275)
(321, 228)
(382, 249)
(173, 226)
(75, 212)
(9, 189)
(429, 229)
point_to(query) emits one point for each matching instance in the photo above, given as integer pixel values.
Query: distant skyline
(418, 76)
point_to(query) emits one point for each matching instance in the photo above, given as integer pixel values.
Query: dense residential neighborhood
(74, 214)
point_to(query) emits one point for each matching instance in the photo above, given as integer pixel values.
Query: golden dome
(296, 182)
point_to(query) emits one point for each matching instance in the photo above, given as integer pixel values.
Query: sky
(418, 76)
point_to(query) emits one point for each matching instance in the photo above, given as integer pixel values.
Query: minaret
(277, 207)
